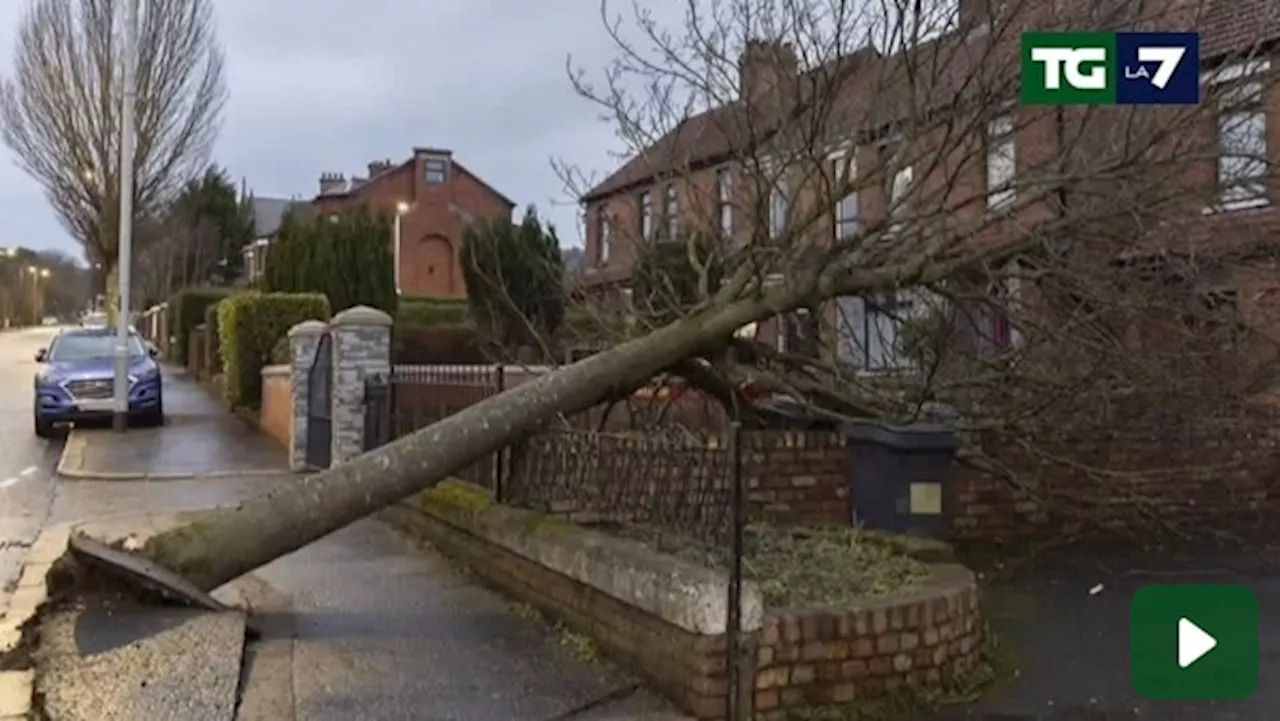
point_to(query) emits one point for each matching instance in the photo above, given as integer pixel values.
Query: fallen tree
(1110, 180)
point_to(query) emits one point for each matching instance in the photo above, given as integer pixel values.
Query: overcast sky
(328, 85)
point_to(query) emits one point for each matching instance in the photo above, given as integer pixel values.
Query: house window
(646, 215)
(724, 201)
(1001, 163)
(1242, 137)
(846, 207)
(898, 190)
(606, 235)
(996, 330)
(870, 331)
(672, 210)
(437, 170)
(779, 210)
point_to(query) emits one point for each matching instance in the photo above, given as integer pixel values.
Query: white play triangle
(1193, 643)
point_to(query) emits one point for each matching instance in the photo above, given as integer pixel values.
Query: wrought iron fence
(415, 396)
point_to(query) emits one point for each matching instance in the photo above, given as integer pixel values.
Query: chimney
(765, 68)
(332, 183)
(378, 166)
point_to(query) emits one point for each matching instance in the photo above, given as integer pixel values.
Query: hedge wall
(212, 344)
(431, 344)
(251, 325)
(186, 311)
(432, 311)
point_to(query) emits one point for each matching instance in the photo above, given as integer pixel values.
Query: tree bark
(227, 543)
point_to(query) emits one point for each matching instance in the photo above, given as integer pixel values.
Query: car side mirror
(40, 355)
(152, 350)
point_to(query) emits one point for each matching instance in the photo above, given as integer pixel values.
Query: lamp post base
(120, 422)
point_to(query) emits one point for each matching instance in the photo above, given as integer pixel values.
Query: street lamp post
(401, 209)
(124, 259)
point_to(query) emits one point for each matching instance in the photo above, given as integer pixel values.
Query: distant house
(435, 197)
(268, 213)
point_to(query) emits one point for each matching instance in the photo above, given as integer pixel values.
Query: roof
(267, 214)
(354, 185)
(875, 91)
(708, 137)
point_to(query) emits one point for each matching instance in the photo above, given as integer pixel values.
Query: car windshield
(70, 347)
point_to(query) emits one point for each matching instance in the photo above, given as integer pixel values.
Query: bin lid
(910, 437)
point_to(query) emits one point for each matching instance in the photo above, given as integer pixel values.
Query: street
(26, 462)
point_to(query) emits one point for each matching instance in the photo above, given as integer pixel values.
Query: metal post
(124, 256)
(395, 250)
(733, 626)
(499, 458)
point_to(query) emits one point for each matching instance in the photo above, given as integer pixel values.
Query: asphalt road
(27, 463)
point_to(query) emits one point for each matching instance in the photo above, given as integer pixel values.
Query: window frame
(671, 210)
(605, 235)
(779, 209)
(645, 201)
(1001, 143)
(724, 201)
(430, 166)
(1240, 91)
(885, 305)
(844, 226)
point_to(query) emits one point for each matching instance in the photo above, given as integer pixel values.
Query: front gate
(320, 406)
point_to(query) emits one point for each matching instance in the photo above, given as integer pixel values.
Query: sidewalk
(199, 438)
(361, 624)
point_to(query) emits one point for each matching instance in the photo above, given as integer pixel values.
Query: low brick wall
(275, 416)
(665, 618)
(809, 659)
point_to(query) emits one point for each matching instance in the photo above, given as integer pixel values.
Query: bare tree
(60, 110)
(904, 109)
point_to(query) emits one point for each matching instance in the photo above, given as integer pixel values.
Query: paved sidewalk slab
(200, 439)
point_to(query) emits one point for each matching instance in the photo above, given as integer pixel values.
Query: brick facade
(808, 659)
(435, 216)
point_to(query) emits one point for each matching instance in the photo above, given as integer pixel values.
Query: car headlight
(144, 376)
(44, 378)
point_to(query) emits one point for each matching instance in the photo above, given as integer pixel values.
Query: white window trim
(778, 226)
(1004, 193)
(606, 234)
(847, 151)
(671, 210)
(1228, 74)
(724, 200)
(426, 170)
(645, 201)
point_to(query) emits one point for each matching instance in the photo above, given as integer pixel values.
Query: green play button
(1193, 642)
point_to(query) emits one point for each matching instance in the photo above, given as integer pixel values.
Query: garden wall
(665, 618)
(275, 417)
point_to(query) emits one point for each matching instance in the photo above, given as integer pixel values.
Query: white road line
(27, 471)
(8, 482)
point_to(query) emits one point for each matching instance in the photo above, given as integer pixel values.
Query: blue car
(75, 382)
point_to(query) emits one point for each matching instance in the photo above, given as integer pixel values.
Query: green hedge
(212, 342)
(441, 343)
(432, 311)
(252, 324)
(186, 311)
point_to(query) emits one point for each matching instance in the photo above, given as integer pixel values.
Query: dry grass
(802, 567)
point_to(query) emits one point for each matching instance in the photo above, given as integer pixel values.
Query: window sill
(1236, 206)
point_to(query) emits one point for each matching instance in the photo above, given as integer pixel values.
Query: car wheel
(155, 418)
(44, 429)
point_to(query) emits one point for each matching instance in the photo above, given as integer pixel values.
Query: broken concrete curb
(71, 467)
(18, 624)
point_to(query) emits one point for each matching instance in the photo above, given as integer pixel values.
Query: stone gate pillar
(303, 340)
(361, 350)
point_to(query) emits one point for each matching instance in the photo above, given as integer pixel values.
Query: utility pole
(124, 257)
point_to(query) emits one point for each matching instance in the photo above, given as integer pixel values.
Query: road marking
(27, 471)
(8, 482)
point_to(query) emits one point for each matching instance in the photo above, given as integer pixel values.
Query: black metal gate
(320, 406)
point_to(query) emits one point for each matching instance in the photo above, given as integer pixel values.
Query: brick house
(268, 213)
(435, 197)
(693, 175)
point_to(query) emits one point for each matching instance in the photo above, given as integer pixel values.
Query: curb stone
(17, 626)
(71, 467)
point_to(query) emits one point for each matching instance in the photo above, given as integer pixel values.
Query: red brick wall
(810, 659)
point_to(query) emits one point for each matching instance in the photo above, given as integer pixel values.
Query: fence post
(361, 350)
(500, 458)
(737, 698)
(303, 339)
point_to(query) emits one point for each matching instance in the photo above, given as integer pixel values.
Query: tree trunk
(111, 292)
(227, 543)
